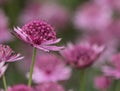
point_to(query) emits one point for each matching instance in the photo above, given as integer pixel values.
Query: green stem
(32, 66)
(82, 80)
(4, 82)
(114, 86)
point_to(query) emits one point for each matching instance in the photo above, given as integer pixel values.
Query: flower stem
(114, 86)
(82, 80)
(4, 82)
(32, 66)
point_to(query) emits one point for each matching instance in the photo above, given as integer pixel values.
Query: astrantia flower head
(3, 68)
(82, 55)
(20, 87)
(50, 68)
(39, 34)
(49, 87)
(7, 54)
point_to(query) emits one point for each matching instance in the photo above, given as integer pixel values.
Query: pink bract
(3, 68)
(39, 34)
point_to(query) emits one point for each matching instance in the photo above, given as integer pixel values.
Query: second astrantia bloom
(39, 34)
(82, 55)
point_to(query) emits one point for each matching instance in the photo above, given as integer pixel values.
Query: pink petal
(3, 69)
(53, 48)
(21, 34)
(51, 42)
(15, 58)
(41, 48)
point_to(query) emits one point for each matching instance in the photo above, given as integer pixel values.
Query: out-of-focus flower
(115, 60)
(50, 68)
(30, 13)
(5, 35)
(114, 29)
(82, 55)
(53, 13)
(7, 54)
(49, 87)
(102, 38)
(39, 34)
(102, 82)
(20, 87)
(113, 4)
(113, 70)
(3, 68)
(92, 16)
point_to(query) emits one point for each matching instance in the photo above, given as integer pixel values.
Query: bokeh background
(74, 20)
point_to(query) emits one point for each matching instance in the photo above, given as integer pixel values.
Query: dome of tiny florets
(39, 31)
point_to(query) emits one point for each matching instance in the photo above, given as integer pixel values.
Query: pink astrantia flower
(50, 68)
(3, 68)
(102, 82)
(113, 70)
(20, 87)
(7, 54)
(91, 16)
(39, 34)
(5, 35)
(49, 87)
(82, 55)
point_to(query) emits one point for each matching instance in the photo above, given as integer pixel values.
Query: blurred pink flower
(113, 4)
(102, 38)
(39, 34)
(82, 55)
(115, 60)
(50, 68)
(114, 29)
(102, 82)
(8, 55)
(20, 87)
(53, 13)
(5, 35)
(3, 68)
(49, 87)
(92, 16)
(113, 70)
(30, 13)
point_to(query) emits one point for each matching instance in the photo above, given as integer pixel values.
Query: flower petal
(53, 48)
(22, 35)
(51, 42)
